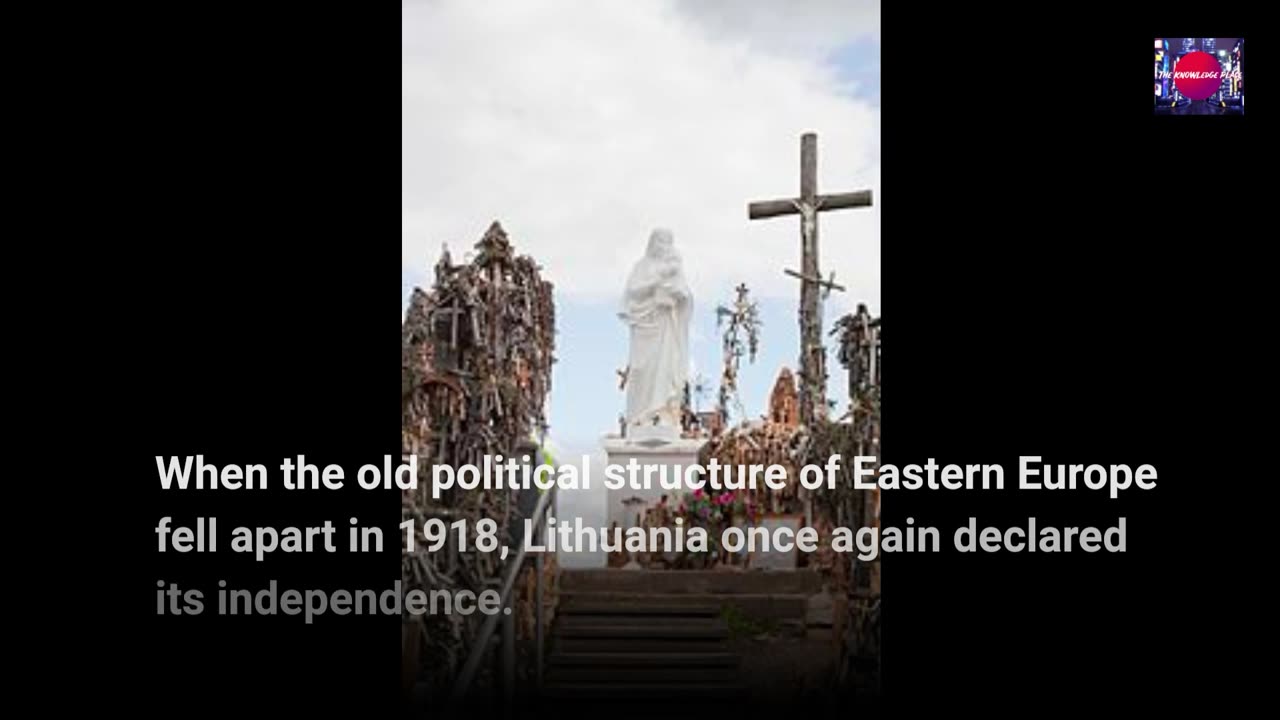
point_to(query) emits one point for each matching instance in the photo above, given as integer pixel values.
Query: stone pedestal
(649, 446)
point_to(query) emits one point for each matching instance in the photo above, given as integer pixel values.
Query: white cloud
(809, 29)
(582, 125)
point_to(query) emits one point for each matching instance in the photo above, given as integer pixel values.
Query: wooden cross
(813, 373)
(827, 285)
(452, 312)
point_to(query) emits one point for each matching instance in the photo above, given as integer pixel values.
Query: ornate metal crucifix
(813, 288)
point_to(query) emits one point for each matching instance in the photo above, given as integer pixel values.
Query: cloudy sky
(583, 125)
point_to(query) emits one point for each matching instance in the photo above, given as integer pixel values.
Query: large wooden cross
(813, 372)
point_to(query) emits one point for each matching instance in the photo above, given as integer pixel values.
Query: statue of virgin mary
(657, 306)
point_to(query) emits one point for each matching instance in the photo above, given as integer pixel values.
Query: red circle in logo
(1197, 75)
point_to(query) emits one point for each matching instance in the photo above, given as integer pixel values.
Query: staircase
(640, 636)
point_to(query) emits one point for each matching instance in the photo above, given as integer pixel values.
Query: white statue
(657, 306)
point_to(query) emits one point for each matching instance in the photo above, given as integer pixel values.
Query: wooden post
(813, 371)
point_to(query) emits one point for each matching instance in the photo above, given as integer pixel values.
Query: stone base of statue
(653, 445)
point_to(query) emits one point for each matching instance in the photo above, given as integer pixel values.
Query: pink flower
(697, 493)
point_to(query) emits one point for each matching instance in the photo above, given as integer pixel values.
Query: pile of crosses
(856, 584)
(477, 351)
(777, 439)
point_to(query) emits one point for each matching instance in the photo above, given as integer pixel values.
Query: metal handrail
(480, 647)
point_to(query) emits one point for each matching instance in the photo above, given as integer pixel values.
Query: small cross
(827, 285)
(452, 313)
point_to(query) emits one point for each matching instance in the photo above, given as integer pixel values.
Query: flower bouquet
(715, 512)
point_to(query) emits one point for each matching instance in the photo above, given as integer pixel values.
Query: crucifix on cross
(813, 288)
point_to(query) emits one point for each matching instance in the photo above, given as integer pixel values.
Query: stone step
(649, 630)
(645, 659)
(571, 620)
(707, 582)
(577, 603)
(677, 675)
(607, 644)
(761, 606)
(655, 691)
